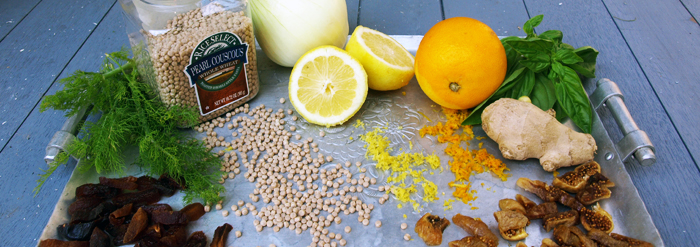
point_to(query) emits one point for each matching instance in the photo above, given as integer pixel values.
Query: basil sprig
(545, 69)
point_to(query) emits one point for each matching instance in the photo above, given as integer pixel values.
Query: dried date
(125, 183)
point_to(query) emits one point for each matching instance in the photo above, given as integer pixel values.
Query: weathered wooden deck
(650, 48)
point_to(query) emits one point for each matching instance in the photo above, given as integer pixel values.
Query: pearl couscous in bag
(195, 53)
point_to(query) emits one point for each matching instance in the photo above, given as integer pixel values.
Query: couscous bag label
(217, 71)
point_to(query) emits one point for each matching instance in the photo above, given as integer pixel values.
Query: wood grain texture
(693, 6)
(353, 8)
(25, 216)
(400, 17)
(670, 187)
(666, 43)
(505, 17)
(12, 13)
(37, 51)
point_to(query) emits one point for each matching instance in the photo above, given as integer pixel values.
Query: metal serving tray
(403, 115)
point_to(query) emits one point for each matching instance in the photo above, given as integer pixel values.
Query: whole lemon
(460, 62)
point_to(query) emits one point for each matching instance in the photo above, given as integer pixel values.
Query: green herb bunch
(544, 68)
(132, 115)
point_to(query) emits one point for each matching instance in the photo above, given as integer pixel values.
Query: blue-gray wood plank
(23, 215)
(12, 13)
(37, 50)
(693, 7)
(664, 39)
(670, 187)
(505, 17)
(409, 17)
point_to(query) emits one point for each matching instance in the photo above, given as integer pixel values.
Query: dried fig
(430, 228)
(510, 204)
(470, 241)
(476, 228)
(605, 240)
(597, 218)
(568, 218)
(574, 181)
(631, 241)
(511, 224)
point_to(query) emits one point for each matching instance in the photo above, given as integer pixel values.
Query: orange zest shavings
(465, 162)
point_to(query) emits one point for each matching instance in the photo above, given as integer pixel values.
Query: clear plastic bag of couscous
(195, 53)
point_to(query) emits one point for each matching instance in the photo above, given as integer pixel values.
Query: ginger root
(524, 131)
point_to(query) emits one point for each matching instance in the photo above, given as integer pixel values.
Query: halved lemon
(327, 86)
(388, 64)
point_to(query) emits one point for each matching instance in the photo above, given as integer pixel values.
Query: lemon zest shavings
(359, 124)
(426, 117)
(401, 167)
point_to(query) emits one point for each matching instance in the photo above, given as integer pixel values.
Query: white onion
(286, 29)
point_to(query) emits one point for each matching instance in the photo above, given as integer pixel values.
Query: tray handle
(635, 141)
(62, 138)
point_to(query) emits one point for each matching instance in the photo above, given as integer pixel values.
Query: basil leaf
(587, 66)
(536, 52)
(572, 97)
(529, 26)
(567, 56)
(529, 47)
(559, 112)
(536, 63)
(524, 85)
(475, 116)
(553, 35)
(565, 46)
(543, 94)
(513, 57)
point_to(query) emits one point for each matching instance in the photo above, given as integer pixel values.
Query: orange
(460, 62)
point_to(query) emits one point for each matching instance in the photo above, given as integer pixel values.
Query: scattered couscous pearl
(239, 234)
(207, 208)
(282, 100)
(378, 224)
(295, 118)
(234, 207)
(342, 242)
(224, 213)
(365, 222)
(218, 206)
(358, 164)
(404, 226)
(292, 128)
(241, 203)
(322, 133)
(348, 229)
(289, 111)
(407, 237)
(298, 137)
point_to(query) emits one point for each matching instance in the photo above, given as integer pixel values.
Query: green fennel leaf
(132, 115)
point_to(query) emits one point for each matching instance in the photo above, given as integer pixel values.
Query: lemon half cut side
(327, 86)
(388, 64)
